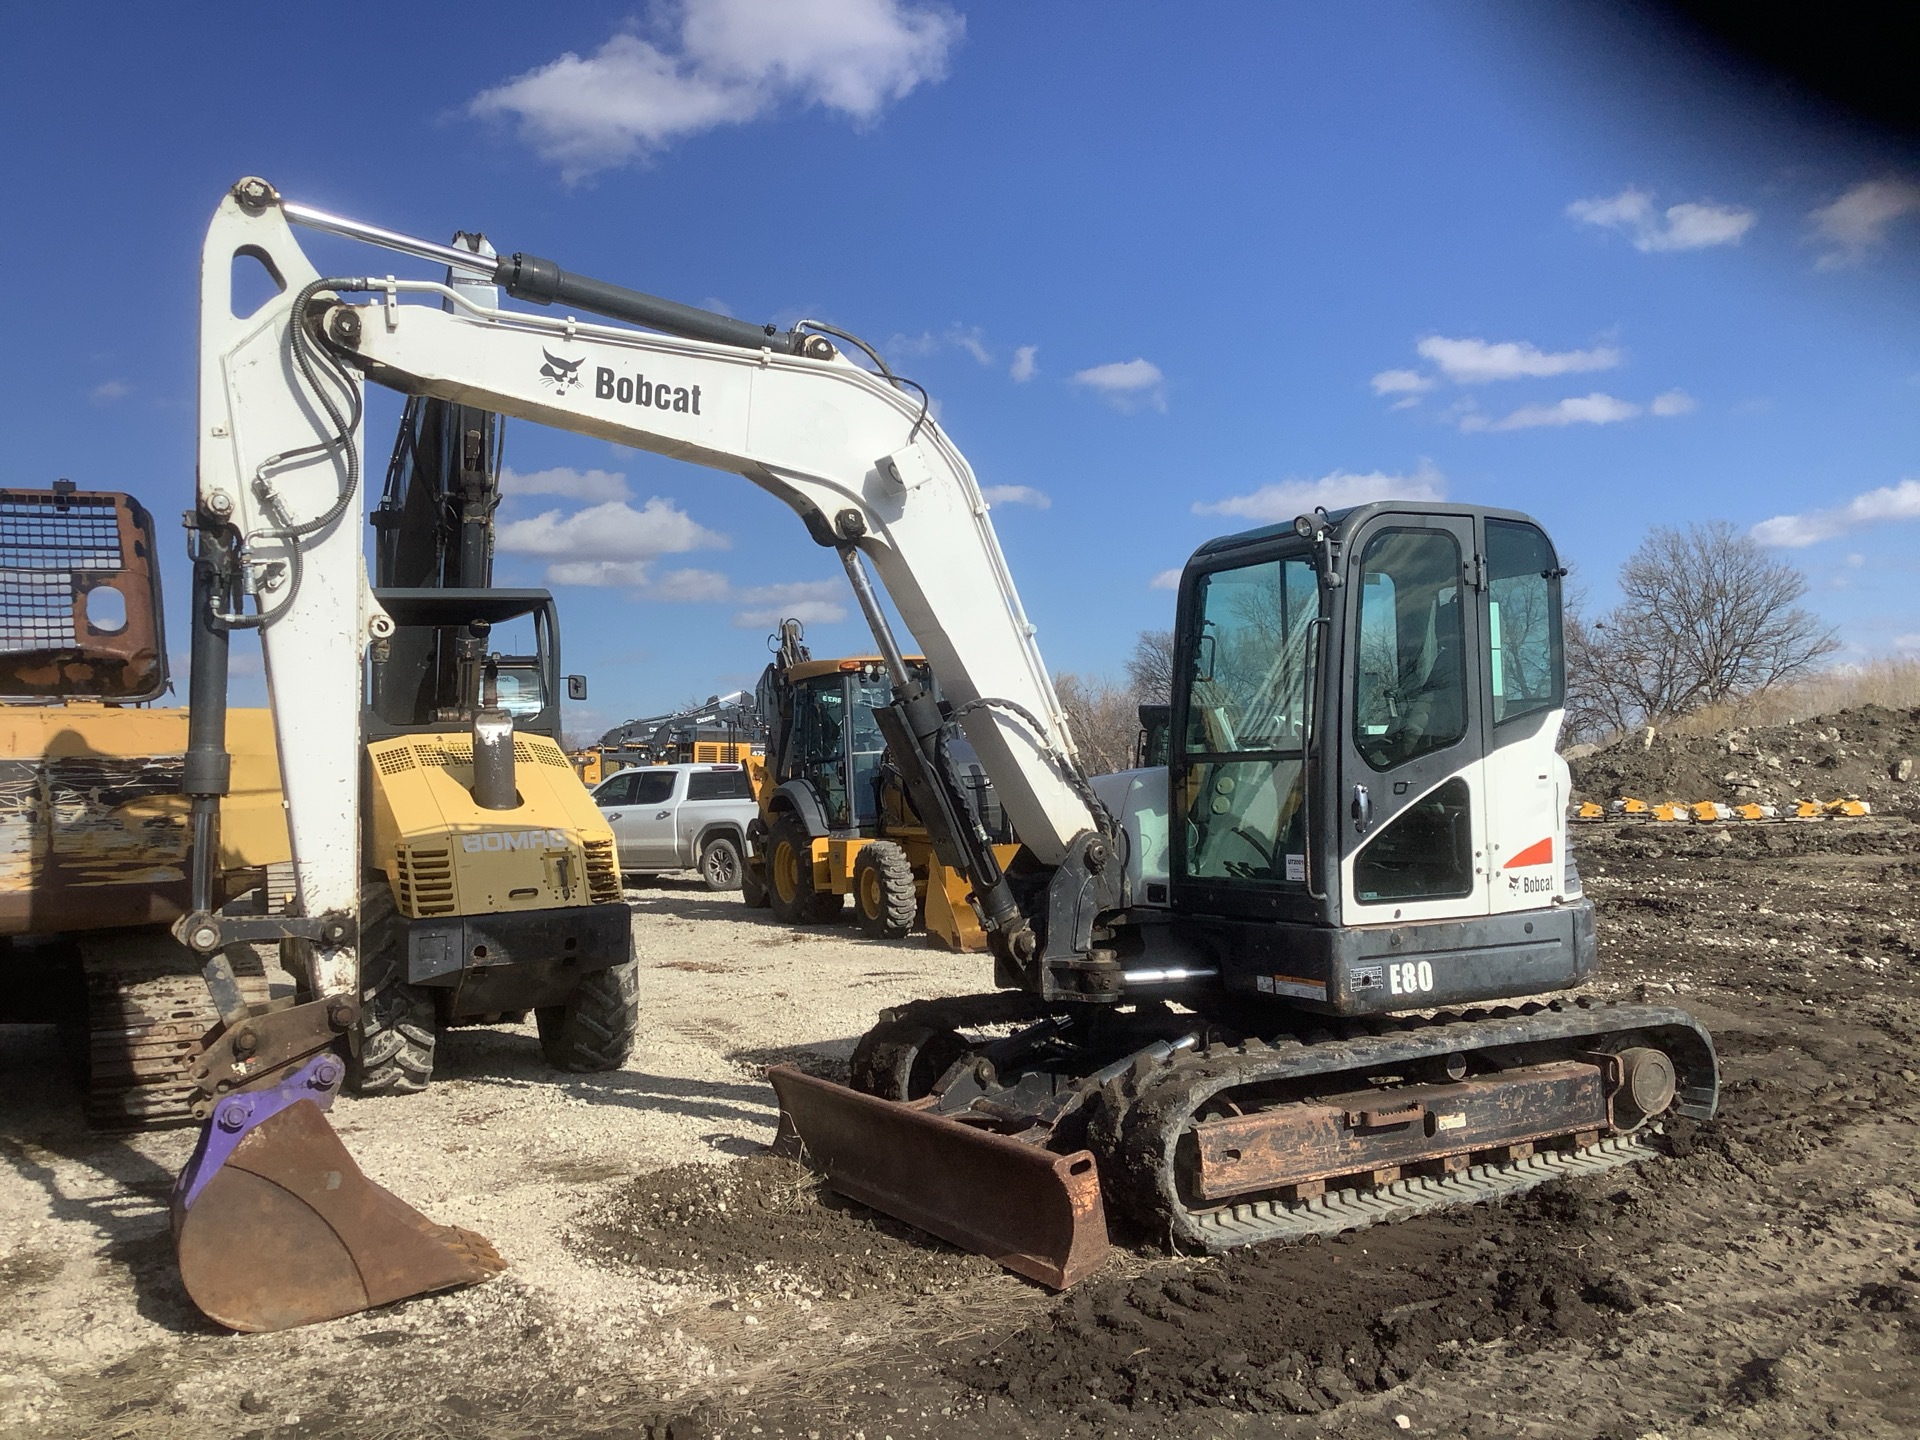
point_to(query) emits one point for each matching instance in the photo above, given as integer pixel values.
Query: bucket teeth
(287, 1231)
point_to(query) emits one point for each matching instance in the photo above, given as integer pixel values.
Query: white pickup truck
(680, 817)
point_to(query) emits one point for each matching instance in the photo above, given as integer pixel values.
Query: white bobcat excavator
(1219, 980)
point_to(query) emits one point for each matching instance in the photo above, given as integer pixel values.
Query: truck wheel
(594, 1030)
(396, 1031)
(720, 864)
(883, 894)
(790, 876)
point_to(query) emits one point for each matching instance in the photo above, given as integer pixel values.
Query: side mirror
(576, 687)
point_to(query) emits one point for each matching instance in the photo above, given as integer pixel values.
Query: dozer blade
(274, 1225)
(1031, 1210)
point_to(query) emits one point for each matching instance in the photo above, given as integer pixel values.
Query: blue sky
(1168, 271)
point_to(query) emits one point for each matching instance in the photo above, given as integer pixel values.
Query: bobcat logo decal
(562, 375)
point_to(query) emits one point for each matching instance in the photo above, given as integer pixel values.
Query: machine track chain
(1336, 1211)
(1143, 1115)
(148, 1018)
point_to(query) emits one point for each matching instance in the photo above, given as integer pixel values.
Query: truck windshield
(1248, 696)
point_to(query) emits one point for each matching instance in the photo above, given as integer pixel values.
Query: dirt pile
(768, 1222)
(1303, 1329)
(1871, 754)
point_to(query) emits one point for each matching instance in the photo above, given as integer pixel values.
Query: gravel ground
(671, 1279)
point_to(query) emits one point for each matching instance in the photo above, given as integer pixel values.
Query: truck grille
(425, 884)
(603, 873)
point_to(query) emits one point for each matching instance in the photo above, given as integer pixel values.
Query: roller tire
(594, 1030)
(790, 877)
(396, 1032)
(884, 899)
(720, 864)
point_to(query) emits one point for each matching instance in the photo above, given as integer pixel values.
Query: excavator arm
(279, 549)
(854, 454)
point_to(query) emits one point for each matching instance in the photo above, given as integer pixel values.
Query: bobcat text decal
(638, 390)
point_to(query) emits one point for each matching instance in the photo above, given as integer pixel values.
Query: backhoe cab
(836, 819)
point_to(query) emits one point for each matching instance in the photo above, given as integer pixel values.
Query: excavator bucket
(1036, 1212)
(275, 1226)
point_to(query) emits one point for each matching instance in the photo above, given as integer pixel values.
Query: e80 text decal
(1410, 977)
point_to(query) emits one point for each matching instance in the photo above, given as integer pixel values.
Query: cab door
(1526, 780)
(1411, 801)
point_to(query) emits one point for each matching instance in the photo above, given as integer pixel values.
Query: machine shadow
(129, 1215)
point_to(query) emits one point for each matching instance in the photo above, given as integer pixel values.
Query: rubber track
(1143, 1117)
(1263, 1221)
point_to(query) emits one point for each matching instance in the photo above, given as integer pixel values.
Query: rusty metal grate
(44, 540)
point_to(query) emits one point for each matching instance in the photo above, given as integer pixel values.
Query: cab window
(718, 785)
(651, 787)
(1526, 663)
(617, 791)
(1249, 693)
(1409, 677)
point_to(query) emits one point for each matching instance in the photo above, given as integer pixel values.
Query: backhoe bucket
(1025, 1207)
(275, 1226)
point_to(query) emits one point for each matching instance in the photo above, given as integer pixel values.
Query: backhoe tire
(790, 877)
(753, 884)
(720, 863)
(396, 1031)
(594, 1030)
(884, 901)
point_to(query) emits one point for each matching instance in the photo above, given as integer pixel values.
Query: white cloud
(1594, 409)
(1338, 491)
(1858, 221)
(1017, 495)
(1474, 362)
(970, 338)
(1907, 644)
(1401, 382)
(1889, 502)
(1165, 580)
(1674, 402)
(727, 62)
(606, 574)
(812, 602)
(596, 485)
(1693, 225)
(1023, 367)
(1127, 383)
(108, 391)
(690, 587)
(613, 532)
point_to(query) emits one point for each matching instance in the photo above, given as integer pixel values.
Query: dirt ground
(671, 1279)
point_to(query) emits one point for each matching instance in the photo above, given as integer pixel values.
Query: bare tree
(1706, 616)
(1105, 718)
(1150, 668)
